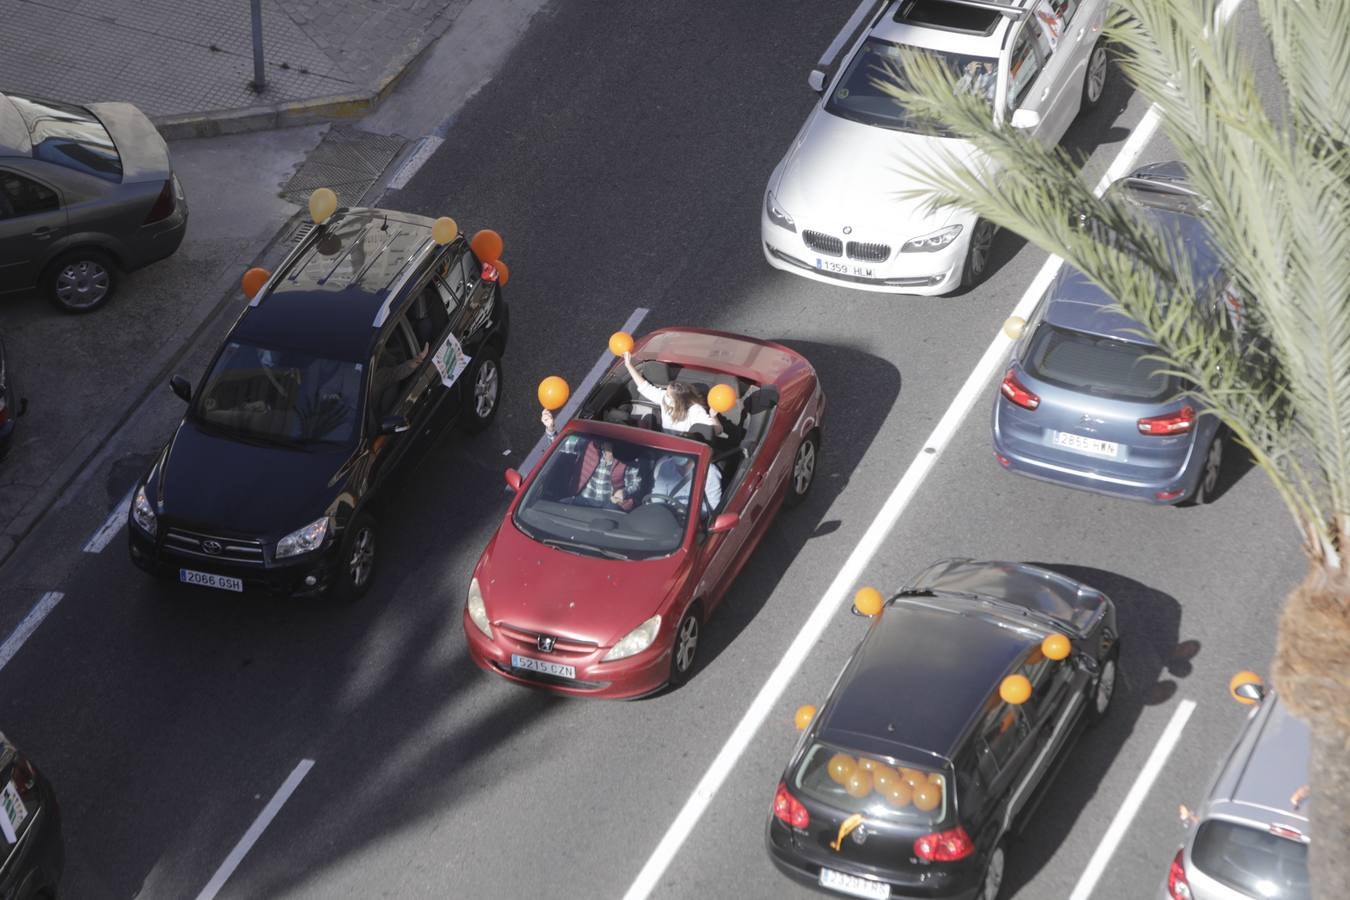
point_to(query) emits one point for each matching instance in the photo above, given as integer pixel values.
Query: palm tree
(1275, 194)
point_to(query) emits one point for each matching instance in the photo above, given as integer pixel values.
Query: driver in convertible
(673, 475)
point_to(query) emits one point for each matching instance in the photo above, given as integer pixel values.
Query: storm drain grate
(347, 160)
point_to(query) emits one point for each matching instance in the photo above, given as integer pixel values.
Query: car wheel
(684, 653)
(356, 559)
(1094, 80)
(482, 389)
(1208, 485)
(977, 254)
(993, 874)
(1104, 688)
(80, 281)
(804, 464)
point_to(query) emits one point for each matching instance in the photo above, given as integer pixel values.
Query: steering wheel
(664, 499)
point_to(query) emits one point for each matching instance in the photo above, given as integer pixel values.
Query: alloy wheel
(485, 389)
(804, 467)
(1209, 481)
(362, 561)
(1096, 74)
(981, 241)
(993, 876)
(686, 643)
(82, 284)
(1106, 687)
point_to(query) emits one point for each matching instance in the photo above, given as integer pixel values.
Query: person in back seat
(682, 406)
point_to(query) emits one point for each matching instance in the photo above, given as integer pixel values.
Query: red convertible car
(605, 592)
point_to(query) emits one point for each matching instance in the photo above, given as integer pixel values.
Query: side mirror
(513, 480)
(394, 424)
(816, 79)
(1026, 118)
(1249, 691)
(724, 522)
(179, 385)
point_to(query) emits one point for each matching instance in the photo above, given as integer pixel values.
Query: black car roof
(922, 674)
(328, 296)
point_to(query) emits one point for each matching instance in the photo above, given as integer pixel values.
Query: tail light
(1179, 422)
(788, 809)
(1015, 391)
(164, 204)
(1178, 888)
(944, 846)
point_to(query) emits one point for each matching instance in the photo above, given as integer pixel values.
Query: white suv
(833, 210)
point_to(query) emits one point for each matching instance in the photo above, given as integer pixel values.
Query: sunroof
(949, 15)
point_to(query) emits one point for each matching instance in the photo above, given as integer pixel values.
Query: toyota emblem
(544, 643)
(212, 547)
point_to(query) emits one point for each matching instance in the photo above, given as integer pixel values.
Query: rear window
(70, 136)
(882, 787)
(1257, 863)
(1102, 366)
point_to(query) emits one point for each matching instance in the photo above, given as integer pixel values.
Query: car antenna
(385, 225)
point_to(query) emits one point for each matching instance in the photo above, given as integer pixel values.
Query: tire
(993, 874)
(805, 462)
(1094, 79)
(1104, 688)
(1207, 486)
(81, 281)
(977, 254)
(356, 559)
(684, 653)
(482, 390)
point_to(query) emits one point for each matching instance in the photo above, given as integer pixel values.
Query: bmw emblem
(545, 643)
(212, 547)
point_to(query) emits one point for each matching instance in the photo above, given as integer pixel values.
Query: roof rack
(867, 9)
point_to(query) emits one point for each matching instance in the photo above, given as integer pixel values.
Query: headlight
(142, 513)
(303, 540)
(777, 214)
(635, 641)
(477, 611)
(930, 242)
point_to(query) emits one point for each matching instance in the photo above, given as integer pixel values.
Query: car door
(1035, 79)
(721, 554)
(32, 221)
(1050, 713)
(431, 323)
(397, 382)
(464, 278)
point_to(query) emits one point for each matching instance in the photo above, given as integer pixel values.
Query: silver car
(86, 192)
(1249, 838)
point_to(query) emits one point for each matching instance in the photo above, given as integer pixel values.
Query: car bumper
(158, 241)
(303, 575)
(938, 884)
(625, 679)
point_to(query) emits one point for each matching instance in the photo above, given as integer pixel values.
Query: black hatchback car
(32, 853)
(950, 718)
(366, 342)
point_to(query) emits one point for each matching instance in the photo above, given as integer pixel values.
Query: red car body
(566, 609)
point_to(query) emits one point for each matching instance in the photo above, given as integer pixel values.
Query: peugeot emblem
(848, 229)
(212, 547)
(860, 834)
(544, 643)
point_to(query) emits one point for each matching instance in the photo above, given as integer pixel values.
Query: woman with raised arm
(682, 405)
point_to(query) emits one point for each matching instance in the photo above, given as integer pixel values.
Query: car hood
(583, 598)
(145, 156)
(215, 483)
(842, 172)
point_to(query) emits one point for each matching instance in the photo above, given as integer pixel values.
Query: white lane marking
(580, 391)
(255, 830)
(425, 148)
(1130, 806)
(837, 593)
(116, 519)
(29, 624)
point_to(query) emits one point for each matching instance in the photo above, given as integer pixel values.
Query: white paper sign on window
(450, 360)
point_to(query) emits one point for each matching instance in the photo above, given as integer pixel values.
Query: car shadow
(1152, 658)
(1237, 462)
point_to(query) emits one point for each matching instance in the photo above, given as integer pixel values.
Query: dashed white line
(29, 624)
(116, 519)
(255, 830)
(1130, 806)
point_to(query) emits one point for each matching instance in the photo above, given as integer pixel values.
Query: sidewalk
(189, 63)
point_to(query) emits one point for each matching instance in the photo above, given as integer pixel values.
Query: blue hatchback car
(1084, 405)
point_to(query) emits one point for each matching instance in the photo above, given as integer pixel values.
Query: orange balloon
(620, 342)
(804, 716)
(841, 767)
(868, 601)
(722, 398)
(1015, 689)
(935, 778)
(503, 273)
(899, 795)
(553, 392)
(487, 245)
(1241, 678)
(912, 778)
(253, 281)
(885, 778)
(1056, 646)
(859, 784)
(868, 764)
(927, 797)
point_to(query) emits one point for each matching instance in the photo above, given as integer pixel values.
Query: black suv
(950, 717)
(367, 340)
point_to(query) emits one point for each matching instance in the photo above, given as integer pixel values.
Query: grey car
(1249, 838)
(86, 192)
(1082, 403)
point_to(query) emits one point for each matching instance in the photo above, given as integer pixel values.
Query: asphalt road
(622, 153)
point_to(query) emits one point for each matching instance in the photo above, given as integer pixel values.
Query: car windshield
(69, 136)
(858, 94)
(880, 787)
(281, 396)
(1097, 365)
(610, 498)
(1257, 863)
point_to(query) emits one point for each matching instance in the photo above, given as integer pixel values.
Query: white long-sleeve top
(696, 415)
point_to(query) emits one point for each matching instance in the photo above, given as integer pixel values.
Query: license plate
(206, 579)
(558, 670)
(15, 812)
(826, 265)
(1087, 444)
(852, 884)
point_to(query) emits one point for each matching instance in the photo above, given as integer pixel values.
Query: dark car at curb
(12, 405)
(32, 852)
(921, 704)
(86, 193)
(326, 385)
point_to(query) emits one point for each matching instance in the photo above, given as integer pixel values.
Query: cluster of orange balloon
(487, 246)
(899, 787)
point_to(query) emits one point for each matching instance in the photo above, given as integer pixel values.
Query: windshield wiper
(588, 548)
